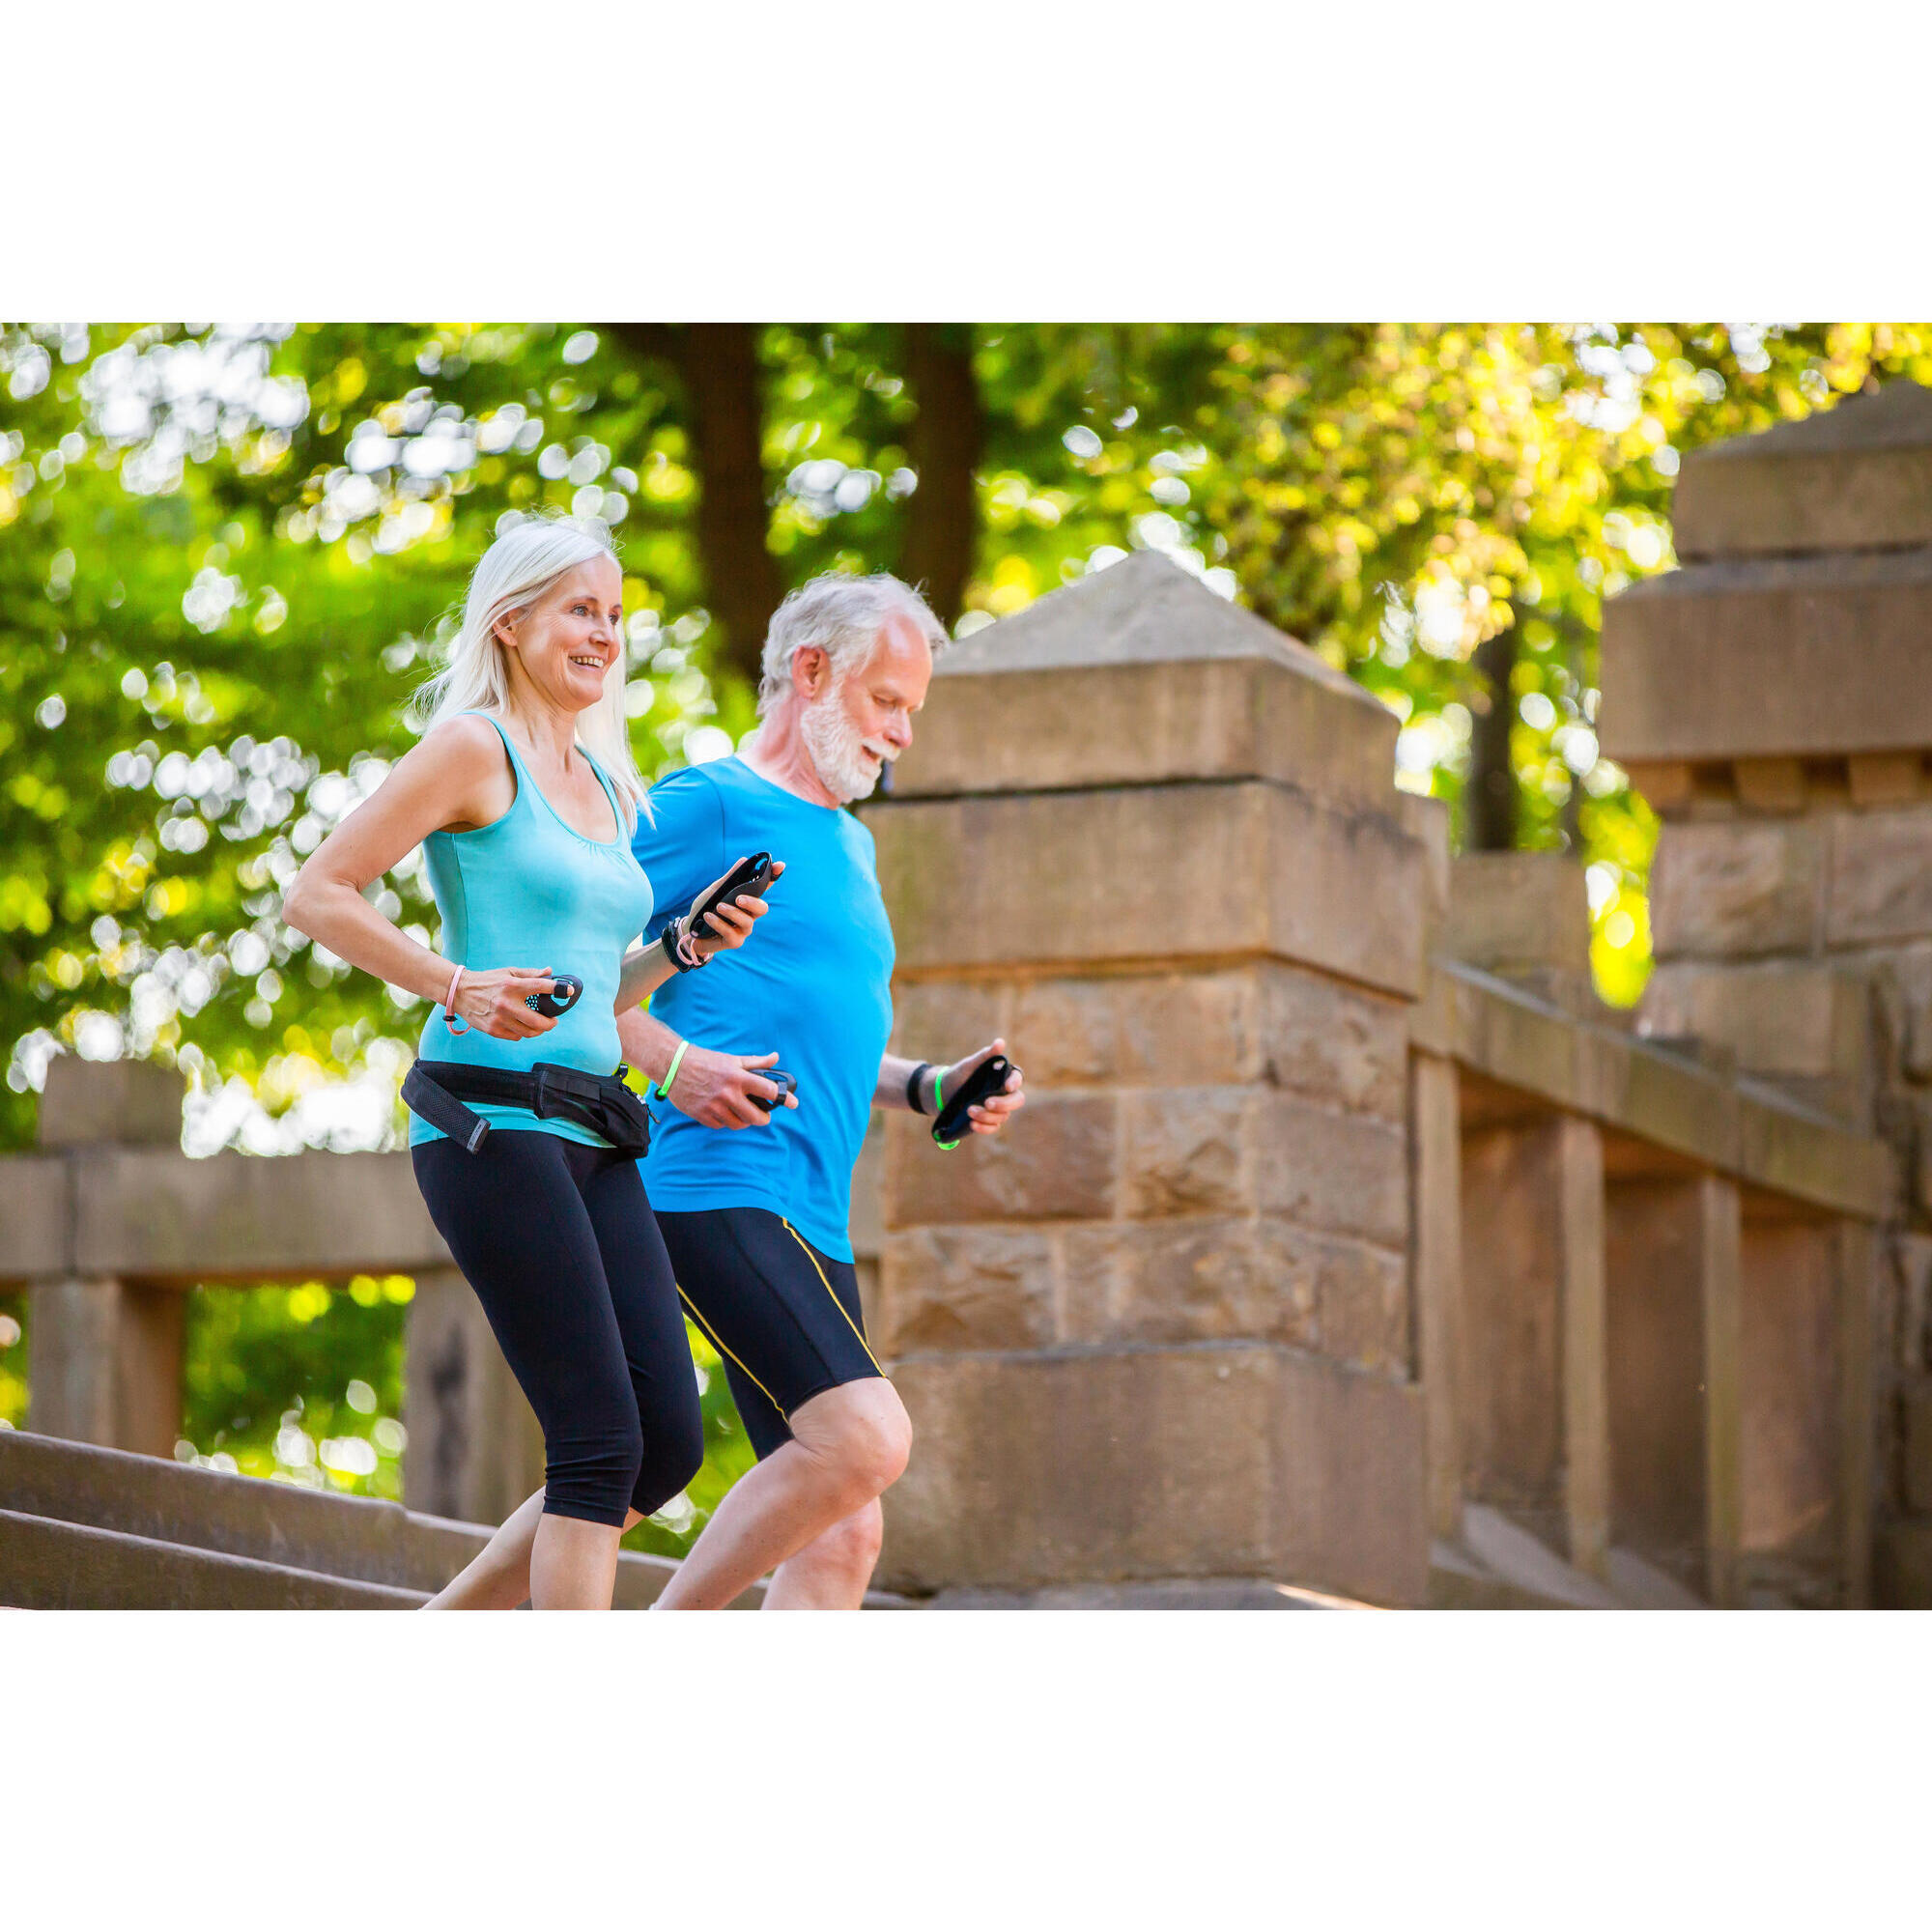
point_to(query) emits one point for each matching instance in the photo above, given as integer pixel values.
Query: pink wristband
(449, 1000)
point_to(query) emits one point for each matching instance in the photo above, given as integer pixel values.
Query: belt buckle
(540, 1093)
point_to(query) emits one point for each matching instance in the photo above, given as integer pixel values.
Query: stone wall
(1770, 698)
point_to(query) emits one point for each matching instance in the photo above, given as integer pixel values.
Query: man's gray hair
(841, 615)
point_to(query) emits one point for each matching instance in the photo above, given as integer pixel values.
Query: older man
(755, 1204)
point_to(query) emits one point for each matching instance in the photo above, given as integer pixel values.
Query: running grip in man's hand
(749, 878)
(985, 1080)
(783, 1082)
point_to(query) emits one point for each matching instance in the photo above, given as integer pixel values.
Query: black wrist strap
(919, 1073)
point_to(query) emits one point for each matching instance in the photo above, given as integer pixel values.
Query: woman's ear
(504, 629)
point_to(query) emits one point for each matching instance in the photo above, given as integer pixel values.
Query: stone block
(35, 1218)
(943, 1020)
(1056, 1163)
(1790, 1390)
(1671, 1264)
(1881, 878)
(1223, 1278)
(1338, 1171)
(1335, 1043)
(1886, 778)
(1201, 871)
(1161, 1462)
(1915, 1444)
(1902, 1567)
(1782, 1019)
(948, 1289)
(1065, 1031)
(1854, 478)
(1140, 675)
(134, 1102)
(1189, 1151)
(1736, 890)
(1770, 784)
(105, 1364)
(1532, 1374)
(1805, 1025)
(1793, 658)
(1436, 1271)
(1427, 821)
(1510, 910)
(236, 1218)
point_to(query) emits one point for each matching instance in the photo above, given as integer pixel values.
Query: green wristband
(670, 1071)
(939, 1107)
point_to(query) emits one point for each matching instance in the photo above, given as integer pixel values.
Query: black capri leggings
(558, 1241)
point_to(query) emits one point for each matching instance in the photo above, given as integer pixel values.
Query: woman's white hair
(512, 574)
(841, 615)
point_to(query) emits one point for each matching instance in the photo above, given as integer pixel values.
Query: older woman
(524, 796)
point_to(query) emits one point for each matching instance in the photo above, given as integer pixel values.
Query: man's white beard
(837, 750)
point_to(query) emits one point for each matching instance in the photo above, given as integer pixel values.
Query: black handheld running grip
(749, 878)
(566, 989)
(985, 1080)
(784, 1083)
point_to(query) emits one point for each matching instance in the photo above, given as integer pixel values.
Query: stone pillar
(1769, 701)
(474, 1448)
(1672, 1261)
(1163, 1327)
(104, 1356)
(1533, 1391)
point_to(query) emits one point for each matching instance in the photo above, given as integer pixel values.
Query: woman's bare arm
(456, 777)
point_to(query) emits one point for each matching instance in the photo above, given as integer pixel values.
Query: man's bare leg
(849, 1445)
(832, 1570)
(498, 1577)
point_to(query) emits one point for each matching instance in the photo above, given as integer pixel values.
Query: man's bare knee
(851, 1546)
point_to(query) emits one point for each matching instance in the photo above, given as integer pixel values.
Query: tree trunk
(1490, 821)
(717, 365)
(942, 518)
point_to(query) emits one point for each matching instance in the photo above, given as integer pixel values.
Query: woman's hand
(714, 1089)
(730, 926)
(993, 1113)
(493, 1002)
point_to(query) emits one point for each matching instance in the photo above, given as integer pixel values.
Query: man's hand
(714, 1089)
(991, 1115)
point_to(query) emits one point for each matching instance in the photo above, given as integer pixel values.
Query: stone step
(49, 1565)
(1174, 1593)
(1498, 1565)
(355, 1538)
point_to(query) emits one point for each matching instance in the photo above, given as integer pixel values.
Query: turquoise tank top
(529, 891)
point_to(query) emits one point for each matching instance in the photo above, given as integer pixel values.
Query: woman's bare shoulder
(464, 748)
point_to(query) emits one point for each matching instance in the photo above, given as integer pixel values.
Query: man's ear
(809, 668)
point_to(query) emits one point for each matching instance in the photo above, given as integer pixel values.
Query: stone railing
(1643, 1290)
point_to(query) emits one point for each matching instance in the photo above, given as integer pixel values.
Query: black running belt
(436, 1090)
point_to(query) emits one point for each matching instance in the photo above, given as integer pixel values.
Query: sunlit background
(227, 555)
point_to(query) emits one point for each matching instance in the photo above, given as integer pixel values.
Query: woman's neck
(550, 729)
(779, 752)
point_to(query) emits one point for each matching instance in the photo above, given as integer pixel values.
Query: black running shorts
(785, 1318)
